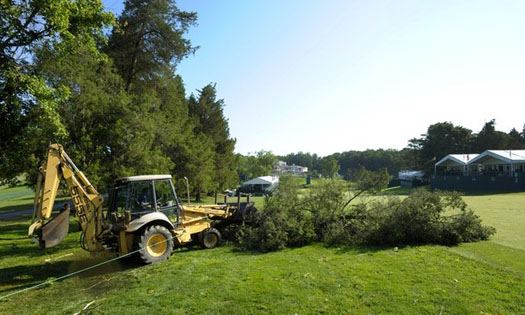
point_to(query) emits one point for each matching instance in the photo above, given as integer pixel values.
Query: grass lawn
(311, 279)
(484, 277)
(506, 212)
(15, 198)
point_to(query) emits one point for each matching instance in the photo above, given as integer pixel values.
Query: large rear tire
(155, 244)
(210, 238)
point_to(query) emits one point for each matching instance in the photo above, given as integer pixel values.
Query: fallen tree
(330, 213)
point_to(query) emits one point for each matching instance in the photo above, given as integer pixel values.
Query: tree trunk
(198, 196)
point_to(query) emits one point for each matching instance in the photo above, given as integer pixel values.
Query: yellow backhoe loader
(143, 213)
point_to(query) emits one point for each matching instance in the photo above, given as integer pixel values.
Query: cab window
(120, 199)
(142, 198)
(166, 201)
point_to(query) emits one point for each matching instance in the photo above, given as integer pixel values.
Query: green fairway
(506, 212)
(484, 277)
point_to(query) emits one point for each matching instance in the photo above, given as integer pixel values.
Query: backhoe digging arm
(88, 202)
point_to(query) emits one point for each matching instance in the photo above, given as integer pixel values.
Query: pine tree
(208, 116)
(148, 40)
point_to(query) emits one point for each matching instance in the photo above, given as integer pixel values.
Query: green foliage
(421, 153)
(325, 213)
(282, 223)
(254, 165)
(207, 114)
(371, 182)
(28, 105)
(491, 139)
(418, 219)
(352, 161)
(312, 161)
(117, 114)
(148, 41)
(195, 161)
(329, 167)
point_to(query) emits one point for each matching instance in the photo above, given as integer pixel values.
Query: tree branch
(353, 197)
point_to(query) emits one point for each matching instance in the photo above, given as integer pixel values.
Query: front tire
(210, 238)
(155, 244)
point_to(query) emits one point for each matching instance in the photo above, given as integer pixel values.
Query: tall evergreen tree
(208, 115)
(146, 46)
(148, 40)
(514, 140)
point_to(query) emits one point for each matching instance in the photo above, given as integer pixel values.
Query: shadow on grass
(15, 208)
(23, 276)
(20, 229)
(28, 249)
(14, 242)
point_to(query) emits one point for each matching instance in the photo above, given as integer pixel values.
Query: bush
(421, 218)
(282, 223)
(324, 214)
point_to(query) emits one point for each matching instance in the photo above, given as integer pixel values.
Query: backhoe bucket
(54, 231)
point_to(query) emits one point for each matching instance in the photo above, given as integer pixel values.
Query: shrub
(325, 214)
(282, 222)
(421, 218)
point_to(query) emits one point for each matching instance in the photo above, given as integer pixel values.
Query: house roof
(263, 180)
(507, 156)
(461, 159)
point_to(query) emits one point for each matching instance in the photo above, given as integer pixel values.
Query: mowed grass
(484, 277)
(505, 212)
(15, 198)
(311, 279)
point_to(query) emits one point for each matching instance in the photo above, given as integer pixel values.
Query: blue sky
(330, 76)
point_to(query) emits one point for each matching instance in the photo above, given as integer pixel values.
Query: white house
(282, 168)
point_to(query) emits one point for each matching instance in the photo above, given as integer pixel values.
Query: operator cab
(144, 194)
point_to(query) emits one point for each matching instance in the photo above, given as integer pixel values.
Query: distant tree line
(106, 88)
(347, 164)
(421, 153)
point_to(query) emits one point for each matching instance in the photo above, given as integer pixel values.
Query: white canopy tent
(498, 162)
(262, 183)
(455, 163)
